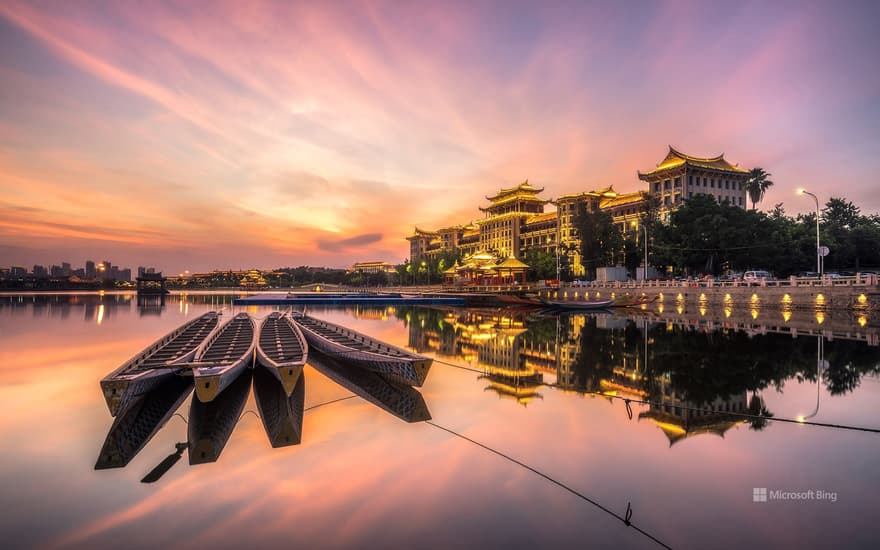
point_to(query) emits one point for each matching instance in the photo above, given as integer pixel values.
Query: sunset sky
(236, 134)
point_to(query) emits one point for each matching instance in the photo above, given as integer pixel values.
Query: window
(690, 180)
(740, 186)
(656, 186)
(726, 184)
(712, 183)
(666, 185)
(678, 182)
(690, 194)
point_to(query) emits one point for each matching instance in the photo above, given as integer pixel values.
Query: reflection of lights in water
(703, 311)
(703, 298)
(862, 299)
(754, 300)
(100, 314)
(754, 313)
(186, 309)
(820, 317)
(728, 299)
(680, 298)
(820, 300)
(863, 320)
(786, 300)
(728, 311)
(786, 315)
(659, 308)
(679, 309)
(660, 297)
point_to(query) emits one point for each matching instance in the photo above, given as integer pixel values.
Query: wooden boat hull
(401, 400)
(211, 424)
(213, 371)
(137, 424)
(156, 363)
(281, 413)
(284, 352)
(404, 367)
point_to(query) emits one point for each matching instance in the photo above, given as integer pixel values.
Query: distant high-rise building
(90, 269)
(55, 271)
(125, 275)
(17, 271)
(65, 269)
(40, 272)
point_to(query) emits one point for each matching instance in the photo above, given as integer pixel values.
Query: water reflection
(404, 402)
(145, 416)
(211, 424)
(282, 416)
(697, 377)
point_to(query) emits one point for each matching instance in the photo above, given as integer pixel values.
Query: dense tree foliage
(601, 241)
(704, 236)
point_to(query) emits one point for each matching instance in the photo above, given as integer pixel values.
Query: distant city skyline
(236, 135)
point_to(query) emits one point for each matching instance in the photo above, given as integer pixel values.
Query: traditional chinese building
(679, 177)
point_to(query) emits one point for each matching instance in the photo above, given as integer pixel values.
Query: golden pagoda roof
(675, 159)
(422, 233)
(607, 192)
(512, 263)
(525, 188)
(622, 199)
(546, 216)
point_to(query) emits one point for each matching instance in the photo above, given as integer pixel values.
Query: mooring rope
(626, 518)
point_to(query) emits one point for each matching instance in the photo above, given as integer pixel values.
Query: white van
(757, 276)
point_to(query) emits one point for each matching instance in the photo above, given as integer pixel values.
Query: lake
(625, 429)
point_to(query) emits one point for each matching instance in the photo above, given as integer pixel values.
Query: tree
(542, 264)
(757, 185)
(600, 239)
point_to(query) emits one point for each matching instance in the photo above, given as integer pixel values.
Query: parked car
(757, 276)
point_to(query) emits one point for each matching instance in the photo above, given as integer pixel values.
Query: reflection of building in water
(679, 418)
(487, 339)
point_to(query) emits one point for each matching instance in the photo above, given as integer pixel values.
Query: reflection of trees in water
(700, 366)
(707, 365)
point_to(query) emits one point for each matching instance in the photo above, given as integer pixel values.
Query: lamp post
(645, 229)
(818, 249)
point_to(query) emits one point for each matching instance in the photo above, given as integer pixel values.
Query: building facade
(514, 222)
(679, 177)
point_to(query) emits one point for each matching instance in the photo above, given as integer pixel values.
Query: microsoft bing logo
(759, 494)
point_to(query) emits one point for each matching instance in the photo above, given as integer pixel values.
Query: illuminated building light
(862, 320)
(786, 315)
(820, 317)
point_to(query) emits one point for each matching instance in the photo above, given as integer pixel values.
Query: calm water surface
(639, 411)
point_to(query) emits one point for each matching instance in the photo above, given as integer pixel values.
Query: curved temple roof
(675, 159)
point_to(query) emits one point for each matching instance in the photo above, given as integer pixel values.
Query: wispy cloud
(276, 131)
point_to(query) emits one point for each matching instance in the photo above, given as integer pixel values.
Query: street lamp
(645, 229)
(818, 248)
